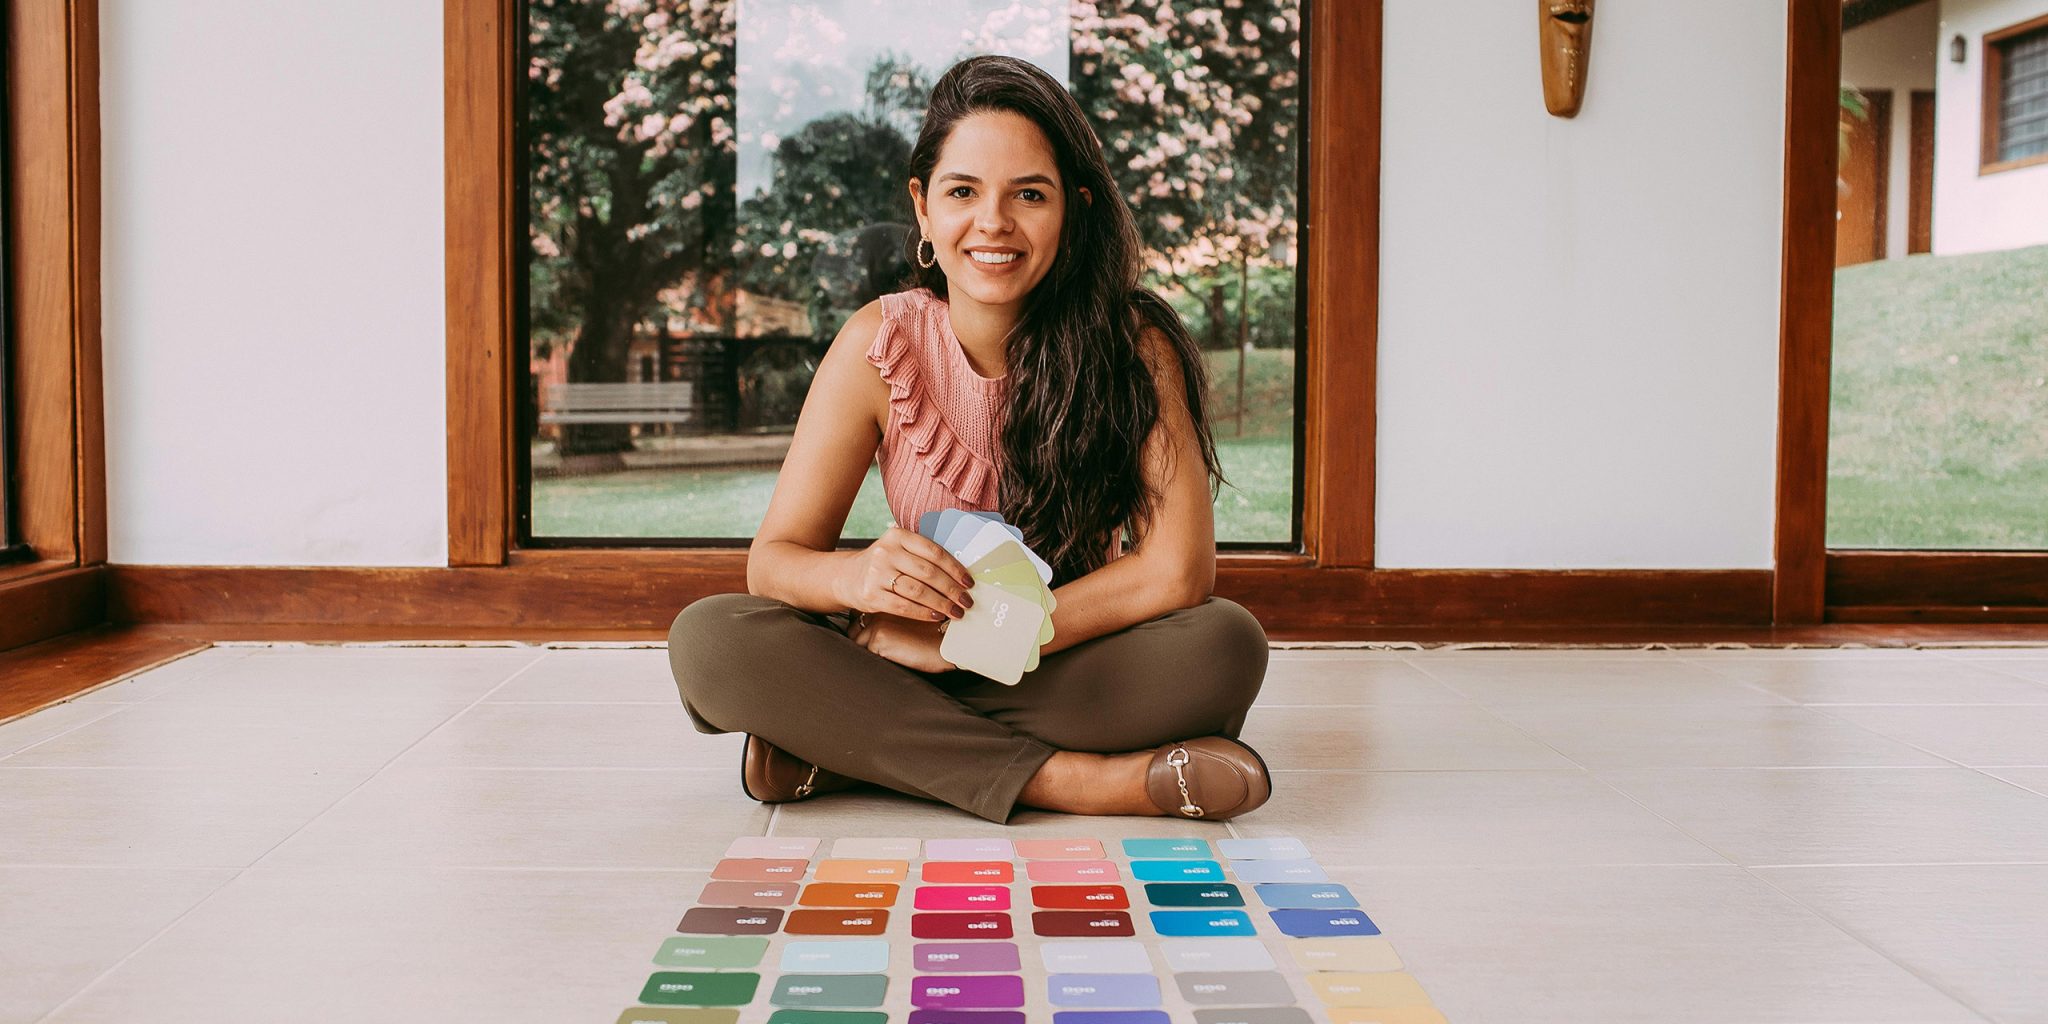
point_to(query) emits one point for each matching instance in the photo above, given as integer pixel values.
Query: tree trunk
(599, 356)
(1244, 303)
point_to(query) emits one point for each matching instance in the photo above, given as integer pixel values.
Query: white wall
(1896, 54)
(1578, 359)
(1579, 327)
(1980, 212)
(273, 285)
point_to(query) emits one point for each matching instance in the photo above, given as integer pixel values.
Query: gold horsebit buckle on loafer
(1177, 759)
(804, 788)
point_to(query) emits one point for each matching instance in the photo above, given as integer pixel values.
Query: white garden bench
(639, 402)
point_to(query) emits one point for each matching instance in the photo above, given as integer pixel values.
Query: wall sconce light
(1958, 50)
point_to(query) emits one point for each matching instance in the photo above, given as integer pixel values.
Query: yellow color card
(1391, 1015)
(1345, 953)
(858, 871)
(1391, 988)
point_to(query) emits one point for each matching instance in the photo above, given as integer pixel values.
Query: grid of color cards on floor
(1000, 931)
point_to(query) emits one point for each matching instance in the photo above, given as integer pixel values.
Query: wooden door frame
(54, 282)
(1814, 584)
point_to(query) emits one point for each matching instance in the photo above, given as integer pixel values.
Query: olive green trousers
(794, 678)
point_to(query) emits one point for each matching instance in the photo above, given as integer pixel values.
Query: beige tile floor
(505, 833)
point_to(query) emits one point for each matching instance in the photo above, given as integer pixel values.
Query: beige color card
(1388, 989)
(1391, 1015)
(1345, 953)
(860, 871)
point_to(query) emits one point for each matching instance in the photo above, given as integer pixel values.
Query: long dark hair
(1081, 399)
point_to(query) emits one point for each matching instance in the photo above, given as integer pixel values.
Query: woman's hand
(914, 644)
(905, 574)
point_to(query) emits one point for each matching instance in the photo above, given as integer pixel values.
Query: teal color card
(1167, 849)
(1196, 894)
(1177, 871)
(1184, 923)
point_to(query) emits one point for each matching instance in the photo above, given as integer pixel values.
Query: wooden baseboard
(559, 591)
(50, 604)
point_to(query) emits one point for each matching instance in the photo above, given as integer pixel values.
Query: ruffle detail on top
(912, 414)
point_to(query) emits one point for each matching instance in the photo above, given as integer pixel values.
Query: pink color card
(1071, 871)
(1060, 849)
(963, 897)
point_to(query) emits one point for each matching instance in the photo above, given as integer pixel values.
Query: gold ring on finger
(892, 584)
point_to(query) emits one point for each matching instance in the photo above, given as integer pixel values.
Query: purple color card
(1110, 1017)
(967, 991)
(968, 957)
(1124, 991)
(969, 849)
(966, 1017)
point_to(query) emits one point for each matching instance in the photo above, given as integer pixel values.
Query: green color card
(828, 1017)
(805, 991)
(706, 951)
(700, 988)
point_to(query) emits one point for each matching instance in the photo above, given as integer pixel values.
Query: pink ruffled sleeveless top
(939, 448)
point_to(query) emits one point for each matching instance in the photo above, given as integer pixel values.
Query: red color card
(1060, 849)
(1067, 924)
(963, 897)
(745, 869)
(1080, 897)
(969, 872)
(1080, 871)
(964, 926)
(836, 922)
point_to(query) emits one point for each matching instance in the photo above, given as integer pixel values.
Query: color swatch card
(1010, 616)
(984, 930)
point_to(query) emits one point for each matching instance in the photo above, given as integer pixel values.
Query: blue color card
(1288, 848)
(840, 957)
(1277, 871)
(1167, 849)
(1179, 871)
(1185, 923)
(1303, 924)
(1138, 991)
(1110, 1017)
(1200, 894)
(1304, 895)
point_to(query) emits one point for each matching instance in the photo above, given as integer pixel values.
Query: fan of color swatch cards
(1000, 931)
(1011, 614)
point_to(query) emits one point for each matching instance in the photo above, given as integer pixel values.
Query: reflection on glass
(1938, 433)
(715, 188)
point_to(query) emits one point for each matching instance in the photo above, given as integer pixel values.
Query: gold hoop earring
(921, 261)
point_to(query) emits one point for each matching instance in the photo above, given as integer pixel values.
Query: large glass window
(1938, 423)
(713, 188)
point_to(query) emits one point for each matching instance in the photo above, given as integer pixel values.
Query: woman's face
(994, 208)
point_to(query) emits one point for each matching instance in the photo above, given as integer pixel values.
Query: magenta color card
(1060, 849)
(968, 849)
(967, 991)
(968, 957)
(961, 926)
(963, 897)
(966, 1017)
(1071, 871)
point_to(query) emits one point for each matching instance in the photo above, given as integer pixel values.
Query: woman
(1025, 372)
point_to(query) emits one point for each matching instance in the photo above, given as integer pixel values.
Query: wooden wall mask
(1567, 34)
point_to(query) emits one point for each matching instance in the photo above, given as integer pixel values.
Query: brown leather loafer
(774, 776)
(1212, 778)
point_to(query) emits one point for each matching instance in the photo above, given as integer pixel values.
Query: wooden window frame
(54, 281)
(1993, 63)
(1815, 584)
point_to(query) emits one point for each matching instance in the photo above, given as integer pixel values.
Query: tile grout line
(114, 707)
(244, 869)
(1858, 938)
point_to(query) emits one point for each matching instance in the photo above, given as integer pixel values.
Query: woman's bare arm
(792, 557)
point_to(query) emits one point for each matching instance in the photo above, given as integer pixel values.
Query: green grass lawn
(1938, 433)
(1257, 504)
